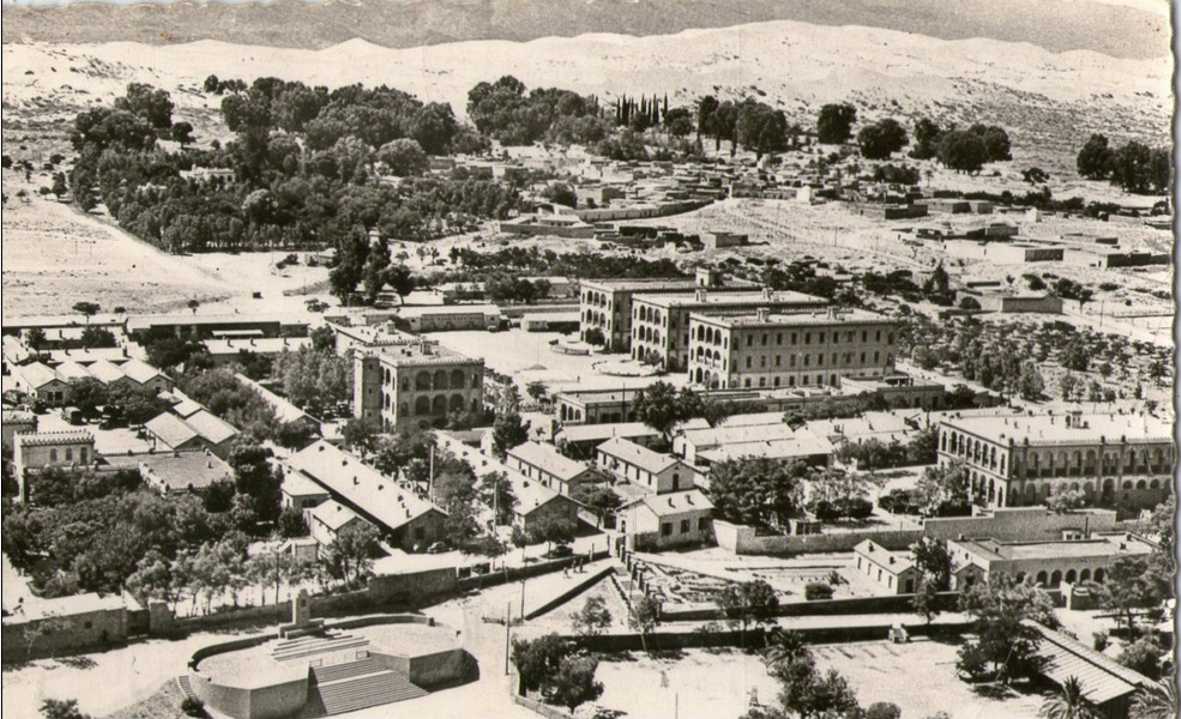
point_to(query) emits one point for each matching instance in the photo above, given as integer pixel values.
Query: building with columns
(789, 349)
(1123, 461)
(660, 323)
(1071, 559)
(411, 383)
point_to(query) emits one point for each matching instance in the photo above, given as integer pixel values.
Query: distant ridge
(1055, 25)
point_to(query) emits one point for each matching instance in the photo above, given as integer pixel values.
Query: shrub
(972, 663)
(817, 590)
(883, 710)
(192, 706)
(1100, 640)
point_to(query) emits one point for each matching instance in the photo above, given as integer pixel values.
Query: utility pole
(508, 609)
(522, 599)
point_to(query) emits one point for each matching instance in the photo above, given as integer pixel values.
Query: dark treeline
(303, 169)
(754, 125)
(1133, 166)
(548, 262)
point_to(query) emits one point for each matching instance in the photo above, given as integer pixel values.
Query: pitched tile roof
(637, 455)
(547, 458)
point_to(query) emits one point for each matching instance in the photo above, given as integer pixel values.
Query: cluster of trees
(519, 260)
(961, 150)
(875, 454)
(226, 396)
(662, 407)
(131, 403)
(1005, 648)
(503, 111)
(943, 491)
(881, 139)
(757, 491)
(804, 689)
(834, 123)
(315, 379)
(1133, 166)
(87, 532)
(651, 112)
(554, 669)
(305, 164)
(755, 125)
(900, 174)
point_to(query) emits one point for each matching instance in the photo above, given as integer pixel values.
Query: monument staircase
(363, 683)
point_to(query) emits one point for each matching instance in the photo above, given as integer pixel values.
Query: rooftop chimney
(700, 294)
(763, 314)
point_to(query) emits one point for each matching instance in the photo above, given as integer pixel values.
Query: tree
(881, 139)
(1143, 655)
(835, 122)
(962, 151)
(1157, 702)
(594, 617)
(1035, 176)
(536, 390)
(62, 709)
(660, 407)
(645, 614)
(149, 103)
(59, 188)
(353, 549)
(1031, 385)
(360, 434)
(508, 431)
(925, 600)
(88, 394)
(883, 710)
(496, 490)
(932, 559)
(575, 682)
(1133, 583)
(757, 491)
(212, 84)
(594, 336)
(1070, 702)
(89, 309)
(1067, 385)
(598, 497)
(1000, 608)
(747, 602)
(403, 157)
(182, 132)
(1094, 159)
(401, 280)
(809, 694)
(540, 659)
(291, 523)
(1065, 502)
(35, 338)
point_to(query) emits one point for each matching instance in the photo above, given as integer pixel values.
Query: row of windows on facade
(713, 336)
(424, 405)
(1062, 463)
(978, 483)
(428, 381)
(597, 298)
(666, 528)
(713, 380)
(83, 455)
(703, 355)
(630, 471)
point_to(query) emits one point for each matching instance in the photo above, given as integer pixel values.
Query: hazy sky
(1160, 7)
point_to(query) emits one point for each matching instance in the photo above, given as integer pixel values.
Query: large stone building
(36, 451)
(789, 349)
(607, 304)
(414, 383)
(660, 322)
(1116, 460)
(1048, 563)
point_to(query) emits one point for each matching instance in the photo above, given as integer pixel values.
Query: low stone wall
(491, 579)
(743, 539)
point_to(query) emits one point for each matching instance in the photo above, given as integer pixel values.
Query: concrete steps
(336, 672)
(366, 690)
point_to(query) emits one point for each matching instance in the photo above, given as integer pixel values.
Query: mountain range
(1118, 28)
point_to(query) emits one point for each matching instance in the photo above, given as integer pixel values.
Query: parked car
(562, 550)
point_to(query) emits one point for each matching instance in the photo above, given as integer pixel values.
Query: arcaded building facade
(789, 349)
(1123, 461)
(402, 386)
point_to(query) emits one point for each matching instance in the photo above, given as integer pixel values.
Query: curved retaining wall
(287, 698)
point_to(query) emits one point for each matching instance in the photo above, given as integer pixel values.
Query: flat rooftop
(731, 299)
(793, 319)
(1098, 546)
(421, 354)
(1066, 429)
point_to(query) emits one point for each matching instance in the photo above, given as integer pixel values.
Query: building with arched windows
(661, 325)
(606, 305)
(405, 385)
(1082, 558)
(1123, 461)
(789, 349)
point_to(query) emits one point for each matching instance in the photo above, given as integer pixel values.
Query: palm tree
(1070, 703)
(1158, 702)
